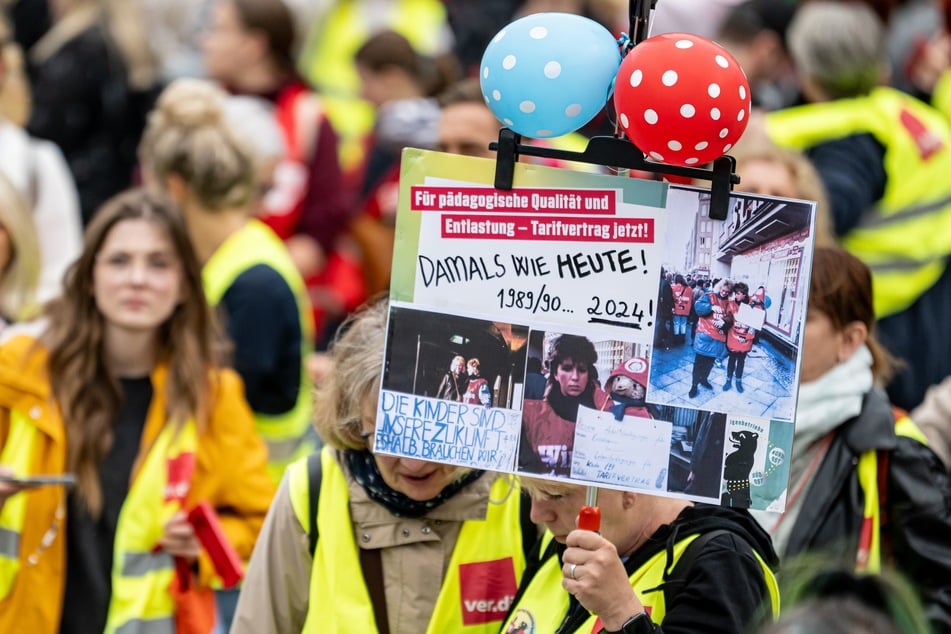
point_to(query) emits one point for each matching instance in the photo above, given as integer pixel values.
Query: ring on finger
(571, 571)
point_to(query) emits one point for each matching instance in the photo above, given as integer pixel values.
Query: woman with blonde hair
(361, 541)
(191, 152)
(123, 390)
(766, 169)
(19, 257)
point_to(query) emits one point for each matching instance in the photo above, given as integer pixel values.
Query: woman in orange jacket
(119, 387)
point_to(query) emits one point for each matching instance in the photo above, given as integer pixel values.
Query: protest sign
(560, 291)
(752, 317)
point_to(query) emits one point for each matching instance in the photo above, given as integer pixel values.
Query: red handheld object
(590, 518)
(223, 555)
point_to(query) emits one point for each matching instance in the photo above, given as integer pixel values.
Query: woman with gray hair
(358, 541)
(839, 50)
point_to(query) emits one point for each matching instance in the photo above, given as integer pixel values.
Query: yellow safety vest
(327, 62)
(286, 435)
(17, 454)
(339, 599)
(141, 577)
(869, 555)
(544, 604)
(906, 239)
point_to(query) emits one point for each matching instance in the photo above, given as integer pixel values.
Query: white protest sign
(443, 431)
(752, 317)
(535, 301)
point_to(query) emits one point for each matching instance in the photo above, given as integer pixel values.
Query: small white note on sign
(752, 317)
(633, 452)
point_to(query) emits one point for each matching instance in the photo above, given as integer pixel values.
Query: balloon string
(625, 43)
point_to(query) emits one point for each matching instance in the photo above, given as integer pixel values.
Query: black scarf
(367, 474)
(567, 406)
(622, 403)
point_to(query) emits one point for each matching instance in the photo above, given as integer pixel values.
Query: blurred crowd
(196, 194)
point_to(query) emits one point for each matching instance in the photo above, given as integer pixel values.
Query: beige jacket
(933, 417)
(275, 591)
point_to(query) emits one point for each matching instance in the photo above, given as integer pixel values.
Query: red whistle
(589, 519)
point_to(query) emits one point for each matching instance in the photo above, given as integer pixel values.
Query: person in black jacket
(656, 563)
(849, 447)
(455, 381)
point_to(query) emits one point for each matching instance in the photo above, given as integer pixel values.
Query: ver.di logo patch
(487, 589)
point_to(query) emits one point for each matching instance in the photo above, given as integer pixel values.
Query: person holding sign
(709, 343)
(549, 423)
(122, 390)
(358, 541)
(739, 339)
(656, 561)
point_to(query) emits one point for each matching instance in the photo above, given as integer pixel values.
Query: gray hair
(840, 46)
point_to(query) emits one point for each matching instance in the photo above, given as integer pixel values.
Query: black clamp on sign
(618, 153)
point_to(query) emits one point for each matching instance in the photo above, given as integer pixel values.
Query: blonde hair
(20, 277)
(757, 146)
(187, 135)
(15, 104)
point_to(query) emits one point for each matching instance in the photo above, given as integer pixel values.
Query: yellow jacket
(230, 474)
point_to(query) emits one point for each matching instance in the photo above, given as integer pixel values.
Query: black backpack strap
(678, 576)
(314, 475)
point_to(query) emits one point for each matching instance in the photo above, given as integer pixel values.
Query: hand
(8, 489)
(179, 538)
(600, 582)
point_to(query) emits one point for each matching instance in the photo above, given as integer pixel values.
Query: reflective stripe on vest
(906, 239)
(17, 454)
(286, 435)
(868, 556)
(141, 577)
(544, 604)
(339, 599)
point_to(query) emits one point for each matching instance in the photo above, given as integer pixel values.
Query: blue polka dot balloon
(548, 74)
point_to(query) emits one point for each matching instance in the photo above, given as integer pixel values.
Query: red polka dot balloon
(682, 99)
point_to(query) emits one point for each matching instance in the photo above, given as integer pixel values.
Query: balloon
(548, 74)
(682, 99)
